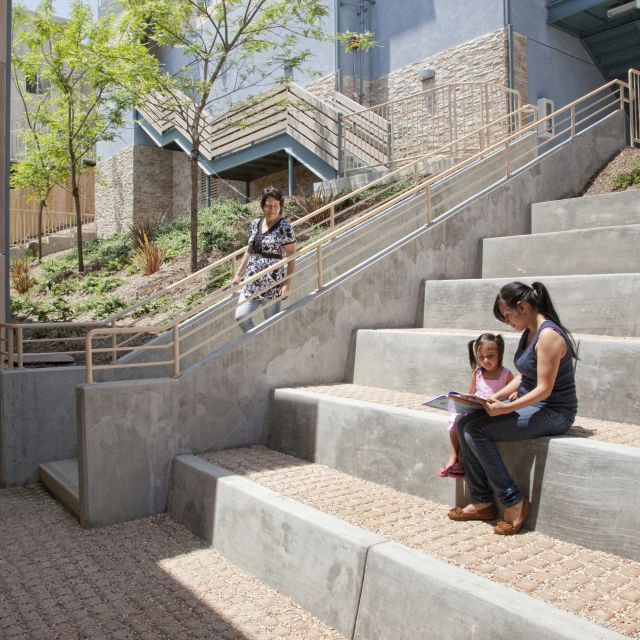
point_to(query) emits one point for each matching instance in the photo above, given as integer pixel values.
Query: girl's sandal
(504, 528)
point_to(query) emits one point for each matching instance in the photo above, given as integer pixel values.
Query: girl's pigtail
(499, 340)
(471, 345)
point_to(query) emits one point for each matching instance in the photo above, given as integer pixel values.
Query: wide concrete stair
(345, 512)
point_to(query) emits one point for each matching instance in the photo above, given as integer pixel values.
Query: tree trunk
(41, 205)
(76, 200)
(195, 174)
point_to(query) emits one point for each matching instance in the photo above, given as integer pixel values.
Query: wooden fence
(58, 215)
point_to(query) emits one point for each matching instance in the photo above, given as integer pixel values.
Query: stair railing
(339, 250)
(342, 242)
(399, 130)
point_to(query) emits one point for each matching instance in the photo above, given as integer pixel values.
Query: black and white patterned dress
(268, 248)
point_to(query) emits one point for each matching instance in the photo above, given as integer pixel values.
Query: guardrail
(392, 132)
(210, 323)
(24, 223)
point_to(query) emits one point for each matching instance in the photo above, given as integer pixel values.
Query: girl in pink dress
(488, 377)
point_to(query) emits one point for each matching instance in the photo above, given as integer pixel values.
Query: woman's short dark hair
(538, 297)
(271, 192)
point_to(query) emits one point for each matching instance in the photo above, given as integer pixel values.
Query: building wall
(135, 184)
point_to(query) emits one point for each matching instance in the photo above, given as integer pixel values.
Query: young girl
(488, 377)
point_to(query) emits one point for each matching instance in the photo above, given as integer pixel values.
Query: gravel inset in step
(602, 430)
(598, 586)
(150, 579)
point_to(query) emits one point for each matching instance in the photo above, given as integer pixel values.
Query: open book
(457, 402)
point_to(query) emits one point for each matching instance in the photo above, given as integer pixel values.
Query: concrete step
(605, 304)
(378, 564)
(587, 212)
(579, 252)
(61, 479)
(389, 437)
(432, 361)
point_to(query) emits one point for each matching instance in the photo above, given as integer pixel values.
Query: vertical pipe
(319, 266)
(6, 248)
(207, 183)
(509, 30)
(114, 343)
(20, 349)
(176, 350)
(247, 190)
(88, 358)
(290, 176)
(9, 347)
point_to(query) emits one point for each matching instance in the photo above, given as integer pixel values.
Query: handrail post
(10, 348)
(114, 343)
(427, 194)
(507, 159)
(332, 217)
(176, 350)
(88, 358)
(19, 348)
(319, 266)
(573, 120)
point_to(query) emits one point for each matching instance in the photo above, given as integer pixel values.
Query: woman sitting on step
(546, 405)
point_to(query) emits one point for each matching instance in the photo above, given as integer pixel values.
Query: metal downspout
(337, 46)
(7, 161)
(506, 5)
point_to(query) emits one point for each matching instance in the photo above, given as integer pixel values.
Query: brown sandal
(504, 528)
(486, 513)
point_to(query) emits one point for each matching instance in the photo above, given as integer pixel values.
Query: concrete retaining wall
(37, 421)
(365, 586)
(221, 401)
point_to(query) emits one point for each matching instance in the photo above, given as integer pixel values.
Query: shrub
(101, 307)
(19, 276)
(145, 228)
(100, 284)
(627, 179)
(149, 257)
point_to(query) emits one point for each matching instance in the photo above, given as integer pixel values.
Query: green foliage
(56, 310)
(223, 227)
(94, 70)
(627, 179)
(160, 305)
(98, 284)
(354, 42)
(249, 41)
(101, 306)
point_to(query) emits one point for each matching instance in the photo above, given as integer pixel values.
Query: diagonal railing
(634, 107)
(379, 222)
(333, 216)
(405, 128)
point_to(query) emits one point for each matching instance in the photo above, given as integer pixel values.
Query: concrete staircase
(345, 512)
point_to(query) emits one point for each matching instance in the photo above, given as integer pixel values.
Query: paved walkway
(603, 430)
(601, 587)
(150, 579)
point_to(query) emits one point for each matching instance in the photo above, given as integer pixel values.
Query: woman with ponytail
(544, 404)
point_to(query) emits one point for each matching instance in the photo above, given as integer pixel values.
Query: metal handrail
(425, 186)
(428, 186)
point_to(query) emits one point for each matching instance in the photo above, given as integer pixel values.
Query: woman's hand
(236, 280)
(284, 290)
(496, 408)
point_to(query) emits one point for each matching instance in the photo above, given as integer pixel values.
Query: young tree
(249, 40)
(95, 71)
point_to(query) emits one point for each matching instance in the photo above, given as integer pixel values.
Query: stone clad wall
(140, 183)
(484, 58)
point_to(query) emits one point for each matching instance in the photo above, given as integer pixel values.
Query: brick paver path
(601, 587)
(150, 579)
(603, 430)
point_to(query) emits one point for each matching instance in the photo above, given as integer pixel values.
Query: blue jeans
(478, 433)
(248, 307)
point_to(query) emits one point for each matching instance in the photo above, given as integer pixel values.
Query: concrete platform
(579, 252)
(429, 571)
(61, 479)
(586, 303)
(574, 483)
(432, 362)
(588, 212)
